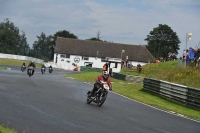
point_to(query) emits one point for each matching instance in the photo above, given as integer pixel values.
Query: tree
(44, 46)
(65, 34)
(23, 46)
(162, 40)
(94, 39)
(10, 39)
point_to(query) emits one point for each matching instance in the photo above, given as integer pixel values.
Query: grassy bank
(14, 62)
(134, 91)
(2, 68)
(5, 129)
(169, 71)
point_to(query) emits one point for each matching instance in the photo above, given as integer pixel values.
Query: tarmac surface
(49, 103)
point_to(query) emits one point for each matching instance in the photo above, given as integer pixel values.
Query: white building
(95, 54)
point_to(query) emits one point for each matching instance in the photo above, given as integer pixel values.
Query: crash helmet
(105, 74)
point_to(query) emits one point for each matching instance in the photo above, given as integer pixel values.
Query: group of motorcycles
(43, 70)
(99, 96)
(30, 70)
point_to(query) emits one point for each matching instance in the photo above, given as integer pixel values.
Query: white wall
(96, 62)
(66, 63)
(20, 57)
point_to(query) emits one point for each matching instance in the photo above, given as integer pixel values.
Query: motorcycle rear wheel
(89, 101)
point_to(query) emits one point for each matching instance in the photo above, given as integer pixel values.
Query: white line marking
(169, 112)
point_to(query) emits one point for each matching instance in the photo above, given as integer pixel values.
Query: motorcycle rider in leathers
(33, 65)
(43, 66)
(105, 78)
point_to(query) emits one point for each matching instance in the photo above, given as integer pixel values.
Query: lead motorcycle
(30, 71)
(100, 95)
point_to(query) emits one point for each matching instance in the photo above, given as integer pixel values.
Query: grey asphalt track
(49, 103)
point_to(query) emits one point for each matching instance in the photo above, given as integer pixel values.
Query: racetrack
(49, 103)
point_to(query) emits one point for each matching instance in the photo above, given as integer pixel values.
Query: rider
(24, 64)
(33, 65)
(43, 66)
(104, 77)
(51, 68)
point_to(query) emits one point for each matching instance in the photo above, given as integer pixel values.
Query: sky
(119, 21)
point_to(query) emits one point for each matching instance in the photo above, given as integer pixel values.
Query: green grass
(134, 91)
(169, 71)
(5, 129)
(2, 68)
(14, 62)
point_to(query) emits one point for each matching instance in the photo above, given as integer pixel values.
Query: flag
(189, 36)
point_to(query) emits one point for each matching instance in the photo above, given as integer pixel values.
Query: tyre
(89, 101)
(101, 99)
(29, 73)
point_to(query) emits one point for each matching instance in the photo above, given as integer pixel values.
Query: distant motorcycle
(50, 70)
(43, 70)
(30, 71)
(100, 95)
(23, 68)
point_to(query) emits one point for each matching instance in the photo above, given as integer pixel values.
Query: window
(67, 56)
(85, 58)
(115, 65)
(62, 56)
(103, 59)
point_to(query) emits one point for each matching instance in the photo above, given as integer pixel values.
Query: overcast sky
(120, 21)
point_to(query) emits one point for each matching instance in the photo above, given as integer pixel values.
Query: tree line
(160, 41)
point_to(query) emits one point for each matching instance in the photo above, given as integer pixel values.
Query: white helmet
(105, 74)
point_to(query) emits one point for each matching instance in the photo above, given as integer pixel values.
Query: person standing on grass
(187, 57)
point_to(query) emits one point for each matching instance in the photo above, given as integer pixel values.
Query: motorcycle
(30, 71)
(23, 68)
(43, 70)
(50, 70)
(100, 95)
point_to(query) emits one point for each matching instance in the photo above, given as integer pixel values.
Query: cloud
(122, 22)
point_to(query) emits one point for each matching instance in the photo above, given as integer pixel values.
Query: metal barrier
(175, 92)
(90, 69)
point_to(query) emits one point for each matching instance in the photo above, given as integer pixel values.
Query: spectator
(183, 56)
(139, 67)
(187, 57)
(197, 58)
(76, 68)
(191, 51)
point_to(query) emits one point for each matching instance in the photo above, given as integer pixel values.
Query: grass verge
(2, 68)
(169, 71)
(14, 62)
(135, 92)
(4, 129)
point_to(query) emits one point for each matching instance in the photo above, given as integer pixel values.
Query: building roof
(105, 49)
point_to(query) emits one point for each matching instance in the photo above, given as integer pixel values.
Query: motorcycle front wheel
(101, 99)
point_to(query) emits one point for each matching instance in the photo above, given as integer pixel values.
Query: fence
(175, 92)
(90, 69)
